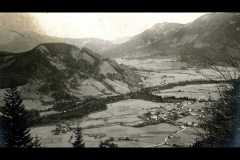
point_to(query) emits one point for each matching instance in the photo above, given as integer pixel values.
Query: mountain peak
(165, 26)
(216, 18)
(210, 30)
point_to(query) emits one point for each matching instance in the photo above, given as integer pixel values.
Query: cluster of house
(61, 129)
(172, 115)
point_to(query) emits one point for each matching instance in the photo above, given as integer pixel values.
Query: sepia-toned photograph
(119, 80)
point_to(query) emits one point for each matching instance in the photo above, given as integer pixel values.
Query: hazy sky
(107, 26)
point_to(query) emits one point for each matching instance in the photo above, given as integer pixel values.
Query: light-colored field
(162, 77)
(125, 112)
(153, 64)
(169, 70)
(120, 118)
(117, 122)
(199, 91)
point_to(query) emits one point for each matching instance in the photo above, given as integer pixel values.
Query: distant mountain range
(52, 68)
(121, 40)
(144, 44)
(215, 35)
(20, 41)
(19, 32)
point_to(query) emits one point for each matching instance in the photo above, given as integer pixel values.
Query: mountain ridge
(208, 34)
(61, 71)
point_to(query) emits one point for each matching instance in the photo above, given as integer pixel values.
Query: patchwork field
(199, 92)
(120, 120)
(144, 123)
(163, 71)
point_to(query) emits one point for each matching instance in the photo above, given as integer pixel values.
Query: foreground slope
(59, 71)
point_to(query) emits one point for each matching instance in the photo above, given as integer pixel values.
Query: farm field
(120, 121)
(144, 123)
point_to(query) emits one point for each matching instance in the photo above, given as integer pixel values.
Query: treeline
(78, 110)
(73, 108)
(146, 96)
(221, 121)
(218, 121)
(16, 123)
(183, 83)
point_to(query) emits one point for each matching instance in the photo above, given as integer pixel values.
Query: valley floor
(146, 123)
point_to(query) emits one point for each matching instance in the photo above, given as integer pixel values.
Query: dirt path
(165, 142)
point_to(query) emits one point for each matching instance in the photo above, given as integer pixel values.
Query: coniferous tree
(57, 130)
(78, 143)
(36, 142)
(15, 121)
